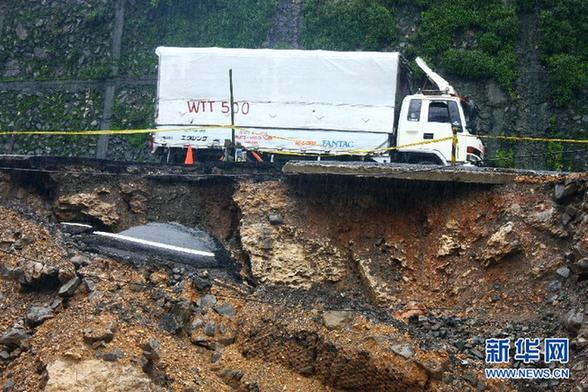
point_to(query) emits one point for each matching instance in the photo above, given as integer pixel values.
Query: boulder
(151, 350)
(502, 243)
(275, 219)
(404, 350)
(582, 265)
(14, 336)
(207, 301)
(36, 315)
(225, 309)
(573, 321)
(89, 205)
(448, 246)
(563, 191)
(95, 375)
(337, 319)
(69, 289)
(210, 329)
(99, 334)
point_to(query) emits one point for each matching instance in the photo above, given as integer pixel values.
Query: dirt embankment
(347, 284)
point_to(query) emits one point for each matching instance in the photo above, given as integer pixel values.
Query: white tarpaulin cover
(289, 90)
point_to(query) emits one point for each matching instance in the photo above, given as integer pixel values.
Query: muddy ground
(343, 284)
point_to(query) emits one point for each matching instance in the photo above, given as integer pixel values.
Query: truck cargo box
(294, 100)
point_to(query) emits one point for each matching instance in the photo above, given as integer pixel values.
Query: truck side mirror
(456, 127)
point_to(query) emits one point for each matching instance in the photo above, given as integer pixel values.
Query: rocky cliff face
(69, 67)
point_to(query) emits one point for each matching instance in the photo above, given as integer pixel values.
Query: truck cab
(432, 115)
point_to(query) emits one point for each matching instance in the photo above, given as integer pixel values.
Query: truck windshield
(438, 112)
(444, 112)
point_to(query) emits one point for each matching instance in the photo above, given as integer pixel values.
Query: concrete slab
(462, 174)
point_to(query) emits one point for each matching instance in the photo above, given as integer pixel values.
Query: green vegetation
(555, 156)
(503, 158)
(348, 25)
(223, 23)
(473, 39)
(564, 28)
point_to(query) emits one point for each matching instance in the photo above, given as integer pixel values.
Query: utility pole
(233, 149)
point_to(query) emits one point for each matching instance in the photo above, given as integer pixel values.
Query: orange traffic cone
(189, 158)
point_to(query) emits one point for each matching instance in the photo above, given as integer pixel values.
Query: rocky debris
(573, 321)
(275, 219)
(564, 272)
(216, 357)
(232, 377)
(99, 336)
(201, 283)
(338, 319)
(36, 315)
(93, 375)
(8, 386)
(89, 205)
(206, 301)
(404, 350)
(170, 323)
(225, 309)
(34, 275)
(80, 261)
(151, 350)
(582, 265)
(206, 342)
(158, 278)
(134, 193)
(283, 254)
(210, 329)
(178, 316)
(196, 324)
(563, 191)
(378, 288)
(545, 219)
(69, 289)
(113, 355)
(502, 243)
(89, 284)
(15, 336)
(448, 246)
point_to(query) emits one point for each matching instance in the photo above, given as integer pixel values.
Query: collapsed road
(346, 283)
(160, 242)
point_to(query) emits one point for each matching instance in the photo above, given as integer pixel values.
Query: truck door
(437, 125)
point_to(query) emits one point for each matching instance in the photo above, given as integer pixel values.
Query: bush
(503, 158)
(564, 27)
(347, 25)
(471, 38)
(568, 75)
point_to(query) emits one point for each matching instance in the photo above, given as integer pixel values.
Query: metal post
(454, 128)
(233, 146)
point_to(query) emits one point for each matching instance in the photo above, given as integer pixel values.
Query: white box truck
(299, 102)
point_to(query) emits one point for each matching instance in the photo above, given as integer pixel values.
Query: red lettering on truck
(193, 106)
(200, 106)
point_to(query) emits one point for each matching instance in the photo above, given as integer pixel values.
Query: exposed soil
(347, 284)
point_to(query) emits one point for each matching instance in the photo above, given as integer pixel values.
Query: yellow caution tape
(531, 139)
(283, 152)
